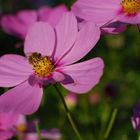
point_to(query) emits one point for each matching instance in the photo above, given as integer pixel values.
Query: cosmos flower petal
(99, 11)
(130, 19)
(114, 28)
(42, 13)
(53, 14)
(58, 76)
(23, 99)
(66, 32)
(40, 38)
(5, 135)
(52, 134)
(31, 136)
(21, 120)
(7, 120)
(18, 25)
(135, 119)
(83, 44)
(136, 123)
(85, 75)
(14, 69)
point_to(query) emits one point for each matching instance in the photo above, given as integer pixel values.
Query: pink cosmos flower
(51, 54)
(27, 130)
(95, 98)
(100, 11)
(52, 134)
(7, 125)
(136, 117)
(17, 125)
(136, 123)
(19, 24)
(71, 100)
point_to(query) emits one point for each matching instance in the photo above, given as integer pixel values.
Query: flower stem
(111, 123)
(139, 138)
(38, 130)
(68, 114)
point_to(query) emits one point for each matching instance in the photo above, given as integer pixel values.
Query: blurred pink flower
(71, 100)
(136, 117)
(13, 124)
(30, 136)
(21, 124)
(52, 134)
(102, 12)
(50, 57)
(19, 24)
(8, 123)
(95, 98)
(136, 123)
(27, 130)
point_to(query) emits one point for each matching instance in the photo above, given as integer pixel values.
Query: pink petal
(130, 19)
(86, 40)
(31, 136)
(5, 135)
(85, 75)
(14, 69)
(23, 99)
(52, 134)
(114, 28)
(99, 11)
(136, 122)
(7, 120)
(21, 120)
(43, 13)
(19, 24)
(57, 76)
(66, 32)
(41, 39)
(51, 15)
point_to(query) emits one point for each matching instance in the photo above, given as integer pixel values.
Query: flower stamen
(131, 6)
(21, 128)
(43, 66)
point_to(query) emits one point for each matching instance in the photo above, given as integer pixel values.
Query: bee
(34, 57)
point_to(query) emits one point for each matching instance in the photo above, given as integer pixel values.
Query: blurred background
(119, 87)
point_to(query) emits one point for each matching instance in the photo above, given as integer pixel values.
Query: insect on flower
(51, 56)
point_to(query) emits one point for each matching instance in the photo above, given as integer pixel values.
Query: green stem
(139, 138)
(68, 114)
(38, 130)
(110, 124)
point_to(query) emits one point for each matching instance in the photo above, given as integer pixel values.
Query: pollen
(21, 128)
(43, 66)
(131, 6)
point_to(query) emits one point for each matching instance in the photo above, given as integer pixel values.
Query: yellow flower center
(21, 127)
(131, 6)
(43, 66)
